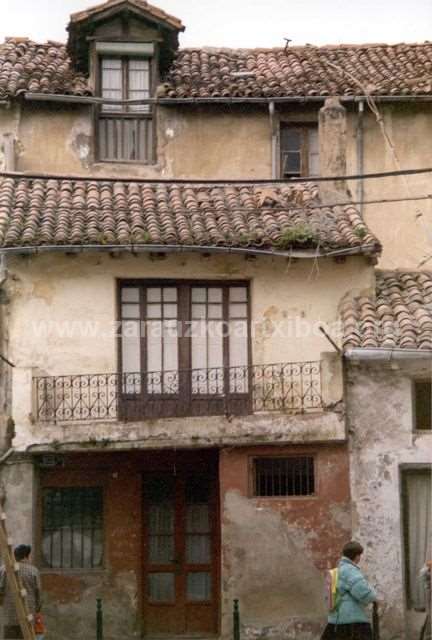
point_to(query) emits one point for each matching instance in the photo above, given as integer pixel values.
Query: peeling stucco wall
(275, 550)
(60, 303)
(62, 320)
(381, 441)
(404, 227)
(234, 141)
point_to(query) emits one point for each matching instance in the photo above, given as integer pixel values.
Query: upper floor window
(125, 130)
(422, 405)
(299, 150)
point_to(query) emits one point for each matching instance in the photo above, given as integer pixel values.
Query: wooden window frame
(414, 384)
(307, 496)
(125, 114)
(405, 470)
(184, 314)
(304, 128)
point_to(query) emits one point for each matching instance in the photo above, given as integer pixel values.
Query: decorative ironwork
(288, 387)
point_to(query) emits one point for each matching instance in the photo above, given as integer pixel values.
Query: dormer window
(125, 120)
(125, 79)
(126, 46)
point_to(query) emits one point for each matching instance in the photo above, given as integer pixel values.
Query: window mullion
(125, 82)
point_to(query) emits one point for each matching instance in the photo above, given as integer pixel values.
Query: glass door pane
(139, 83)
(130, 340)
(161, 538)
(112, 84)
(198, 538)
(207, 340)
(238, 339)
(162, 340)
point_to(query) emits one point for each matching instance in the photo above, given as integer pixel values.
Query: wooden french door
(184, 349)
(181, 553)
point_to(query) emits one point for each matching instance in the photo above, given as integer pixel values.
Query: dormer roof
(83, 25)
(147, 10)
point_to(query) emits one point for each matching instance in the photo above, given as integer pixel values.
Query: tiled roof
(399, 317)
(36, 211)
(402, 69)
(39, 68)
(142, 5)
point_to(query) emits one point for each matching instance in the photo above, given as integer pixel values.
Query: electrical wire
(220, 182)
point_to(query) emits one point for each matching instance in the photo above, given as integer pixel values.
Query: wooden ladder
(25, 618)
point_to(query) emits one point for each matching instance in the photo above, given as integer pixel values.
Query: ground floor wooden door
(181, 552)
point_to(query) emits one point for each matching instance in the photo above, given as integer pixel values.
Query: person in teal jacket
(349, 620)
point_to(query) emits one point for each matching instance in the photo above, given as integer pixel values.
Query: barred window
(290, 476)
(72, 527)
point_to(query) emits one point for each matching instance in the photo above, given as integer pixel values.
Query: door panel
(181, 553)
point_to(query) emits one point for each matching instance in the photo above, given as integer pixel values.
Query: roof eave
(385, 354)
(153, 248)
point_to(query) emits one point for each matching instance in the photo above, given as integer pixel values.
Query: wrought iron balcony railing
(291, 387)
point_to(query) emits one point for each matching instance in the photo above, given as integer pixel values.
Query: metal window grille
(291, 476)
(72, 527)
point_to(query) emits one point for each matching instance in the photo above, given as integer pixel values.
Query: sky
(247, 23)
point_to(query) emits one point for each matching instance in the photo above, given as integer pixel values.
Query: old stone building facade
(177, 429)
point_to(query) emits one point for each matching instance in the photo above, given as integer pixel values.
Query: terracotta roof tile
(38, 68)
(402, 69)
(36, 211)
(399, 316)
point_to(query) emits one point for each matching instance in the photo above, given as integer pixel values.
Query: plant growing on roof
(141, 237)
(360, 232)
(299, 234)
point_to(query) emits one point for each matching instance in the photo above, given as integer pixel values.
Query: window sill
(102, 163)
(73, 572)
(313, 496)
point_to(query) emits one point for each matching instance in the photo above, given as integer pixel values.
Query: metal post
(236, 620)
(375, 623)
(99, 619)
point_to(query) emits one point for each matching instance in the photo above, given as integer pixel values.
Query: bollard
(99, 619)
(236, 620)
(375, 623)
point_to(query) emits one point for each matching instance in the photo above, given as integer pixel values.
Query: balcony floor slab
(215, 431)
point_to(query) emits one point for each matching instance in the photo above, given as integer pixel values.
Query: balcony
(292, 388)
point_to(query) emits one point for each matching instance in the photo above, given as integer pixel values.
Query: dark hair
(22, 552)
(352, 549)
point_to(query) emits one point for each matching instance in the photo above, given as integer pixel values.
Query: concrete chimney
(332, 149)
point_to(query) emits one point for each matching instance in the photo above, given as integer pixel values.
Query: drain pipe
(386, 355)
(360, 153)
(274, 137)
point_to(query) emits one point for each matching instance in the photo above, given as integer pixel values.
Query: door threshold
(189, 636)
